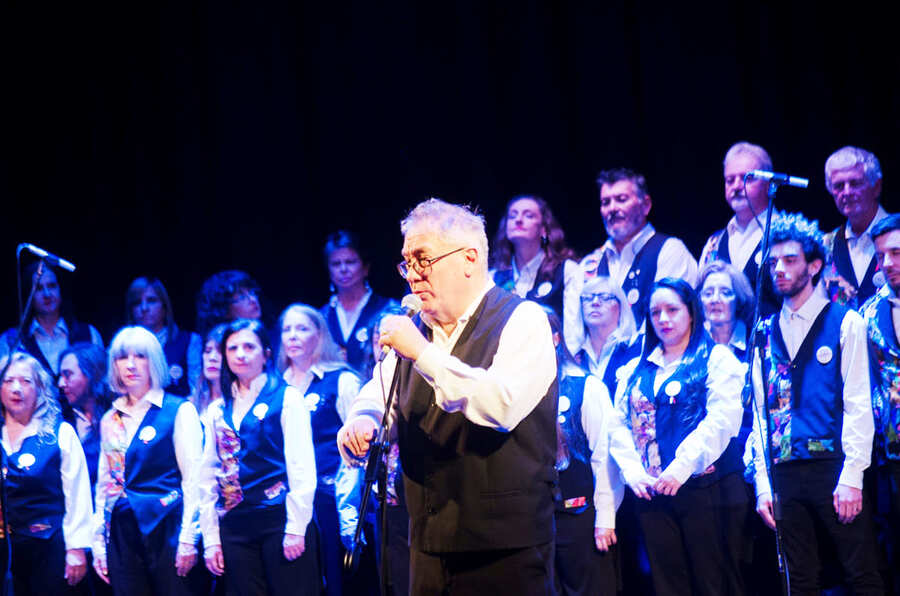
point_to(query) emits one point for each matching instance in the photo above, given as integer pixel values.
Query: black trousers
(580, 568)
(39, 566)
(144, 564)
(253, 548)
(808, 517)
(892, 546)
(398, 549)
(685, 539)
(521, 571)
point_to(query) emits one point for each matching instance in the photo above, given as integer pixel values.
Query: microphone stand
(7, 581)
(376, 469)
(765, 441)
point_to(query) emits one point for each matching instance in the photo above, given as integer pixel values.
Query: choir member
(683, 404)
(353, 305)
(530, 258)
(151, 442)
(258, 474)
(147, 304)
(48, 496)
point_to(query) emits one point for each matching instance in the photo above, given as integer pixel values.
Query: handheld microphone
(779, 178)
(411, 305)
(49, 257)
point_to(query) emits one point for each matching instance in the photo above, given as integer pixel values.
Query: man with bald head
(853, 177)
(475, 416)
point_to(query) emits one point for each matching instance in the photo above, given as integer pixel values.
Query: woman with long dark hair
(147, 304)
(530, 257)
(209, 385)
(353, 304)
(48, 509)
(151, 442)
(226, 296)
(683, 404)
(258, 474)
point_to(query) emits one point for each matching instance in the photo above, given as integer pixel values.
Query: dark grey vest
(469, 487)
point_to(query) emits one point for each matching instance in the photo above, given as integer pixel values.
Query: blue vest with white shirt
(262, 476)
(321, 399)
(573, 459)
(805, 394)
(152, 477)
(35, 500)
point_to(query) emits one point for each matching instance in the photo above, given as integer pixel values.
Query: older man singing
(475, 416)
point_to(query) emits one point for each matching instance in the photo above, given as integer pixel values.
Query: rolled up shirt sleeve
(499, 396)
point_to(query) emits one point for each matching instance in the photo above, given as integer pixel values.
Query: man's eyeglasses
(422, 265)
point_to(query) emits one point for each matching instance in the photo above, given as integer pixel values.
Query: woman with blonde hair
(151, 442)
(48, 512)
(310, 361)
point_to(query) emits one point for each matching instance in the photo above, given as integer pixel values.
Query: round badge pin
(631, 275)
(176, 372)
(824, 355)
(758, 258)
(312, 401)
(564, 403)
(147, 433)
(633, 296)
(544, 289)
(673, 388)
(878, 279)
(362, 336)
(259, 410)
(562, 419)
(26, 460)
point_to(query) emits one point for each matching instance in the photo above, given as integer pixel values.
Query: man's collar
(153, 397)
(810, 309)
(60, 326)
(467, 314)
(879, 215)
(636, 243)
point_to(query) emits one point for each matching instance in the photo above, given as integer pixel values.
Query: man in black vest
(853, 177)
(634, 255)
(811, 381)
(475, 417)
(738, 242)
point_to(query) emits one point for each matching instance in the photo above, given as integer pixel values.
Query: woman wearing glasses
(530, 258)
(611, 339)
(353, 305)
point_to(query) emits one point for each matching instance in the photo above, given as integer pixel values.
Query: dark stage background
(178, 139)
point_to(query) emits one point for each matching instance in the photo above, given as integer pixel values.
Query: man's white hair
(745, 148)
(850, 157)
(453, 224)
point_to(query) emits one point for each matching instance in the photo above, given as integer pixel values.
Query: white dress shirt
(76, 482)
(724, 409)
(597, 363)
(51, 344)
(674, 259)
(742, 241)
(599, 418)
(299, 458)
(858, 424)
(573, 280)
(347, 318)
(497, 397)
(187, 435)
(862, 247)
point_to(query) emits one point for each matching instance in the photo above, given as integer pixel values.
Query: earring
(545, 241)
(331, 287)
